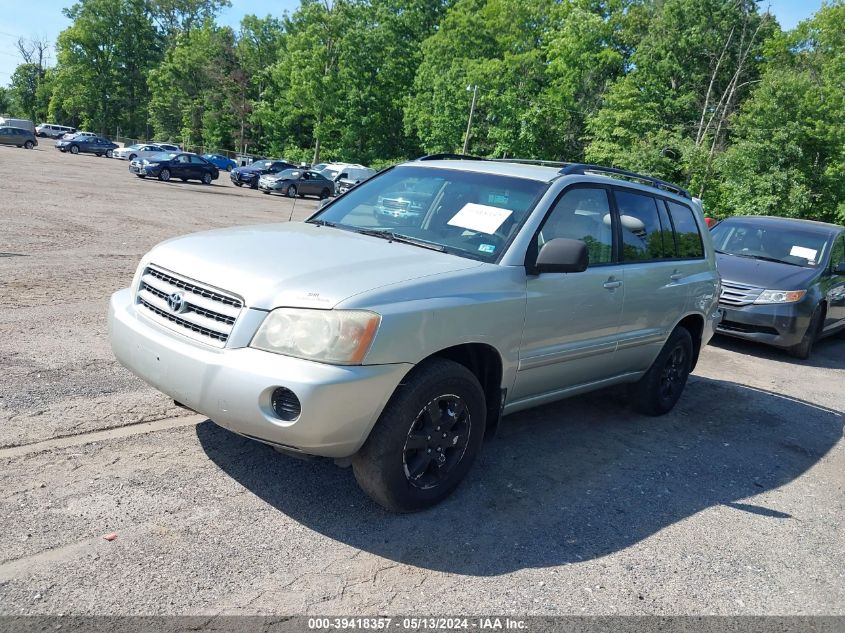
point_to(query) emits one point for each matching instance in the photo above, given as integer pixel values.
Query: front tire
(164, 175)
(74, 149)
(140, 175)
(425, 439)
(291, 192)
(657, 392)
(109, 154)
(803, 349)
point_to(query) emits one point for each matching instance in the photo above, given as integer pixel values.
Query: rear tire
(29, 145)
(164, 175)
(206, 178)
(325, 193)
(426, 438)
(657, 392)
(265, 191)
(803, 349)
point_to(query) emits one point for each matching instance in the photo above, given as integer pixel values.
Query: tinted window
(582, 213)
(686, 231)
(837, 253)
(643, 237)
(197, 160)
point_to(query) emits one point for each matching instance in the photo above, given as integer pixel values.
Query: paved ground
(732, 504)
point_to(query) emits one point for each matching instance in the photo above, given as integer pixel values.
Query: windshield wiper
(762, 258)
(404, 239)
(319, 222)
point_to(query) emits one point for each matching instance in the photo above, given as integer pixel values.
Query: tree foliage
(711, 94)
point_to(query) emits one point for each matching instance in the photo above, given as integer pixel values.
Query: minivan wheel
(74, 149)
(292, 191)
(803, 349)
(29, 145)
(660, 388)
(164, 175)
(425, 439)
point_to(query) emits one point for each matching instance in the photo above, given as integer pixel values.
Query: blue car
(221, 162)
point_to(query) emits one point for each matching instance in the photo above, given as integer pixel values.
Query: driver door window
(582, 213)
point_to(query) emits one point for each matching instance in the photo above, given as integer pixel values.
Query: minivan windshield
(473, 215)
(783, 243)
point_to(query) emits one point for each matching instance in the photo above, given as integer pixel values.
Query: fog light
(285, 404)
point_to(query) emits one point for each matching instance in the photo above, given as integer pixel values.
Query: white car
(133, 151)
(79, 135)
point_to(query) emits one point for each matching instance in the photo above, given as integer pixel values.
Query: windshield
(329, 173)
(288, 173)
(787, 244)
(161, 156)
(468, 214)
(261, 164)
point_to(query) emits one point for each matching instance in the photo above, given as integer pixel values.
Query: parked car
(297, 182)
(182, 165)
(80, 144)
(250, 174)
(79, 135)
(220, 161)
(17, 136)
(783, 280)
(131, 152)
(350, 176)
(51, 130)
(168, 147)
(400, 349)
(23, 124)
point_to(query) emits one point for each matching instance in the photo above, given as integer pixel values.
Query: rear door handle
(676, 276)
(612, 283)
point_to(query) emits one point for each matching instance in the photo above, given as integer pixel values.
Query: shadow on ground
(563, 483)
(827, 353)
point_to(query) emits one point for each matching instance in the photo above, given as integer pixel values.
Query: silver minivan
(394, 328)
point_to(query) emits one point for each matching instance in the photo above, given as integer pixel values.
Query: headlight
(328, 336)
(780, 296)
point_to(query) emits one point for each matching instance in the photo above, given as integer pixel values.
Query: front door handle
(612, 283)
(676, 276)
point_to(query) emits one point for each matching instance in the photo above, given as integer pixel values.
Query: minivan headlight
(780, 296)
(342, 337)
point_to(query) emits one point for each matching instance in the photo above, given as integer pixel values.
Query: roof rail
(450, 157)
(583, 168)
(532, 161)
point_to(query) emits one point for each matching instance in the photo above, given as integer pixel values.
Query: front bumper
(269, 186)
(233, 387)
(778, 324)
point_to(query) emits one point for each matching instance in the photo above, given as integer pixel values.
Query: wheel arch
(694, 324)
(485, 362)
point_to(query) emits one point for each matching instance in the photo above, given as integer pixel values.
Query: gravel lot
(732, 504)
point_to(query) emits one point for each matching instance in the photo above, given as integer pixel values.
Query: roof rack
(532, 161)
(450, 157)
(583, 168)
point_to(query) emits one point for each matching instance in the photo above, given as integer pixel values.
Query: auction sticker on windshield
(807, 253)
(480, 217)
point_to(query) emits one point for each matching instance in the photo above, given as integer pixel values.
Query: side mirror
(839, 269)
(562, 255)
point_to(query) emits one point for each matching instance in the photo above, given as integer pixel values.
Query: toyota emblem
(176, 302)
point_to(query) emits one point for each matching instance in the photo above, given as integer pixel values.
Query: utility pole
(471, 111)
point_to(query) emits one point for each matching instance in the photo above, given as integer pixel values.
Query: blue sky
(44, 18)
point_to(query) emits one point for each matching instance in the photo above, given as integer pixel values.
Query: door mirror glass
(839, 269)
(562, 255)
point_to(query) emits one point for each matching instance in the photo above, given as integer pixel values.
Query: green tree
(103, 61)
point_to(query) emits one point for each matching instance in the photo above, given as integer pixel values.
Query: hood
(763, 274)
(297, 264)
(250, 169)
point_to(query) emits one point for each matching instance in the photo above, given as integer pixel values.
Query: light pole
(471, 111)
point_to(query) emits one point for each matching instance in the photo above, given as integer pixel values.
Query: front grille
(734, 294)
(205, 314)
(395, 203)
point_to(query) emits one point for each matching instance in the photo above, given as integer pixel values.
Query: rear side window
(582, 213)
(197, 160)
(687, 233)
(643, 236)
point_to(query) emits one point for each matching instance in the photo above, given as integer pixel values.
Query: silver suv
(399, 345)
